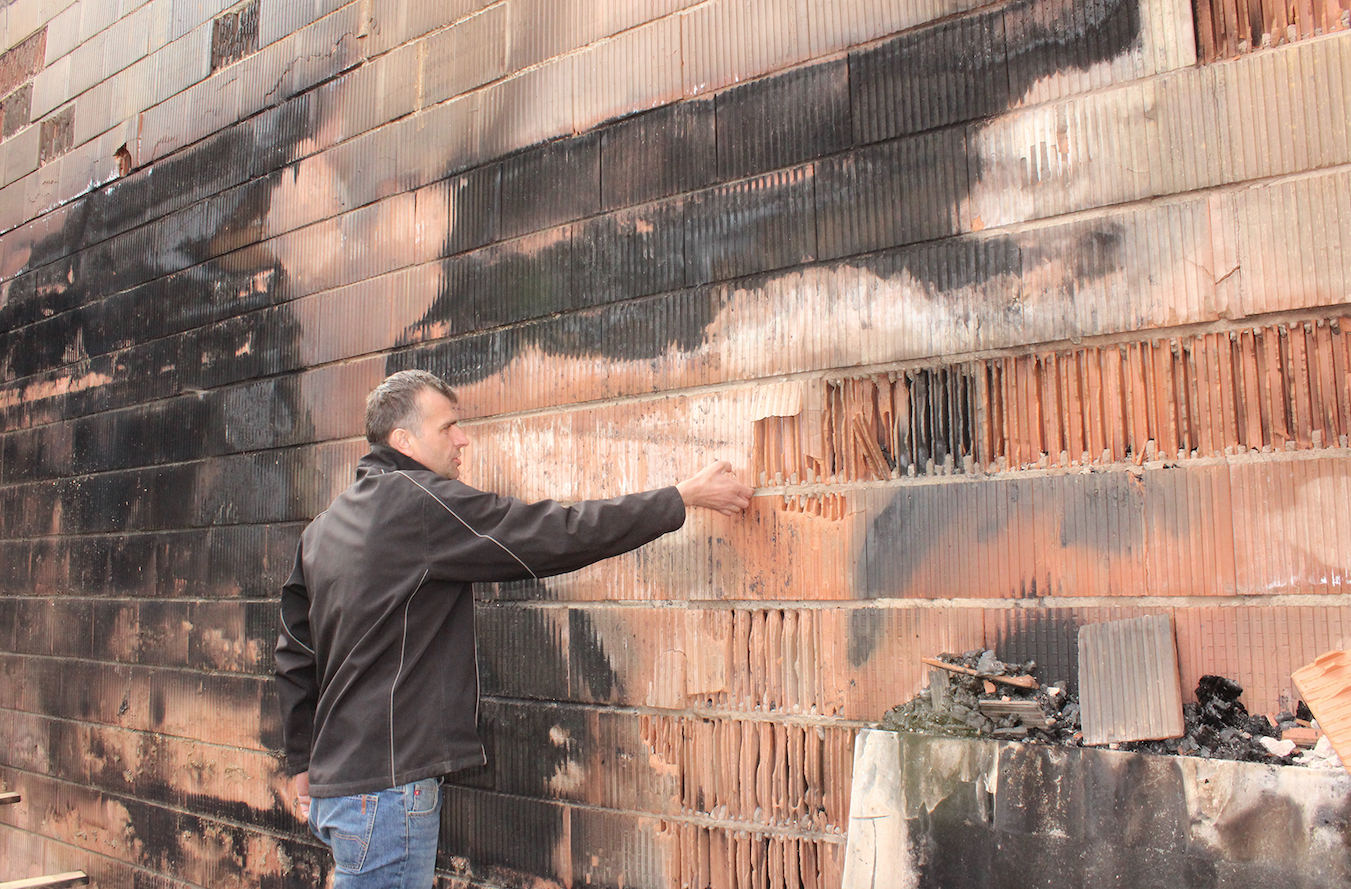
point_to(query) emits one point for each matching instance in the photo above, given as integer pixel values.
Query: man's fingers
(301, 785)
(717, 488)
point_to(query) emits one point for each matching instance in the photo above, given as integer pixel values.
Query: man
(376, 667)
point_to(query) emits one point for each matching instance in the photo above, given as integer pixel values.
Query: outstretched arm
(476, 536)
(715, 487)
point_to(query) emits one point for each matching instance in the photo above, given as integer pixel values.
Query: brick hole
(1268, 388)
(234, 35)
(1226, 29)
(57, 135)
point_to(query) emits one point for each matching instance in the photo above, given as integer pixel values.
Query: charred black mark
(158, 829)
(144, 239)
(135, 265)
(120, 218)
(666, 151)
(1072, 818)
(1048, 636)
(269, 718)
(591, 667)
(1272, 830)
(189, 427)
(926, 523)
(140, 779)
(1164, 827)
(910, 103)
(500, 831)
(640, 330)
(582, 671)
(503, 633)
(780, 121)
(157, 707)
(169, 840)
(148, 565)
(550, 184)
(913, 87)
(1098, 253)
(865, 628)
(9, 610)
(529, 746)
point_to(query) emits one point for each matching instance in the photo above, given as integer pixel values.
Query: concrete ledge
(55, 881)
(952, 812)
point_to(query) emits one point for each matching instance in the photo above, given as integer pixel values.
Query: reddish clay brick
(22, 62)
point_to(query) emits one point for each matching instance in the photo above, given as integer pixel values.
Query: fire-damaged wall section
(1018, 317)
(956, 812)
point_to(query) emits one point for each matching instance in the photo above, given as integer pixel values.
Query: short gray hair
(393, 404)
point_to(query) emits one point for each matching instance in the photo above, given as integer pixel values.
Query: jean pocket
(346, 827)
(424, 796)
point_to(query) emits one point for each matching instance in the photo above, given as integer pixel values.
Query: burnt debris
(985, 704)
(980, 704)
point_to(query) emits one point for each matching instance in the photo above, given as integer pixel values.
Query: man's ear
(399, 440)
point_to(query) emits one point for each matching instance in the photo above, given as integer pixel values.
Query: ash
(1218, 726)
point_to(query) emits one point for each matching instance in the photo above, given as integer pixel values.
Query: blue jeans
(384, 840)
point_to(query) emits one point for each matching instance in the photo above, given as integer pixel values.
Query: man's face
(437, 442)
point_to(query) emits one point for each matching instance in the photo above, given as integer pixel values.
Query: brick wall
(1018, 317)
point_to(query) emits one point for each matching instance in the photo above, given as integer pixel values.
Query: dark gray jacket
(376, 668)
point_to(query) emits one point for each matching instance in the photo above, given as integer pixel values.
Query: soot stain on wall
(1089, 817)
(1039, 35)
(1048, 636)
(1019, 45)
(190, 427)
(581, 671)
(77, 295)
(922, 523)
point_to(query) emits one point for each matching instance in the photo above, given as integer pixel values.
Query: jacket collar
(382, 459)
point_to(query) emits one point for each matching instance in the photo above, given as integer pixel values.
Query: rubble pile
(974, 694)
(983, 703)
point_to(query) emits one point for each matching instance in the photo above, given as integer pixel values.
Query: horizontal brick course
(1020, 321)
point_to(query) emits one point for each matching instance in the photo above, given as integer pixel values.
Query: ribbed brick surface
(1021, 320)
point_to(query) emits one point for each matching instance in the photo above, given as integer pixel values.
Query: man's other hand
(300, 784)
(714, 487)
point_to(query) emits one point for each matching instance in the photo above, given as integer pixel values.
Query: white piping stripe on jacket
(403, 651)
(292, 636)
(467, 525)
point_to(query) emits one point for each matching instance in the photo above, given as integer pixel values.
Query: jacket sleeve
(297, 671)
(475, 536)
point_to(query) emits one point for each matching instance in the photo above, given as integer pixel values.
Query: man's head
(413, 412)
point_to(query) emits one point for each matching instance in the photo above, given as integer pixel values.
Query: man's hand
(300, 786)
(714, 487)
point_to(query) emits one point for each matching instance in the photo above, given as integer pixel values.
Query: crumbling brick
(234, 35)
(58, 135)
(19, 64)
(14, 110)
